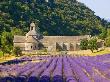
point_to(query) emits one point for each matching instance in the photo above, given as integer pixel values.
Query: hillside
(59, 17)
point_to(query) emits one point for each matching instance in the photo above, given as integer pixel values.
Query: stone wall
(69, 43)
(21, 45)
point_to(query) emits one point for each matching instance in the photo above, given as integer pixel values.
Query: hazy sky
(100, 7)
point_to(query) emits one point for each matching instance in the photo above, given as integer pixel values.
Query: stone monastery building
(34, 41)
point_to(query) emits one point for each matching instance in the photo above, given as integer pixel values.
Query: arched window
(31, 28)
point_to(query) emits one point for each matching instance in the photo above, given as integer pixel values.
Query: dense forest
(55, 17)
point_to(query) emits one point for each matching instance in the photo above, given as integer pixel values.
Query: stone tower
(32, 26)
(32, 38)
(34, 31)
(47, 0)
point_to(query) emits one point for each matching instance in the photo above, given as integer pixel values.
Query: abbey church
(34, 41)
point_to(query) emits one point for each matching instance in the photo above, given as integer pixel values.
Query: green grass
(1, 53)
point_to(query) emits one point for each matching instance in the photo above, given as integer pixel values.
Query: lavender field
(60, 68)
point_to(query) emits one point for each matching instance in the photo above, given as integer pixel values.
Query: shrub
(84, 44)
(92, 45)
(107, 42)
(17, 51)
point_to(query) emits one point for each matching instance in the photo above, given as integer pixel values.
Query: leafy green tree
(92, 45)
(57, 17)
(84, 44)
(0, 41)
(107, 42)
(17, 51)
(108, 32)
(45, 33)
(107, 39)
(6, 42)
(103, 34)
(16, 31)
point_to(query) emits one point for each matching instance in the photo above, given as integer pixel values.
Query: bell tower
(47, 0)
(32, 26)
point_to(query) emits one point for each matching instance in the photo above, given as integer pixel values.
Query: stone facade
(33, 41)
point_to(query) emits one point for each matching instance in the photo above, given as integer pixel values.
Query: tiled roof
(31, 39)
(63, 38)
(31, 33)
(19, 39)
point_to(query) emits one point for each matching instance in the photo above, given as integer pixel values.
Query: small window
(31, 28)
(31, 47)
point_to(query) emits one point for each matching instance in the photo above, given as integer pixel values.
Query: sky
(100, 7)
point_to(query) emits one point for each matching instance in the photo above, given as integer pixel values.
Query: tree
(107, 42)
(57, 17)
(16, 31)
(6, 42)
(84, 44)
(92, 45)
(17, 51)
(108, 32)
(103, 34)
(0, 41)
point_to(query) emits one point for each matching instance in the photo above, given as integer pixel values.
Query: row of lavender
(63, 68)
